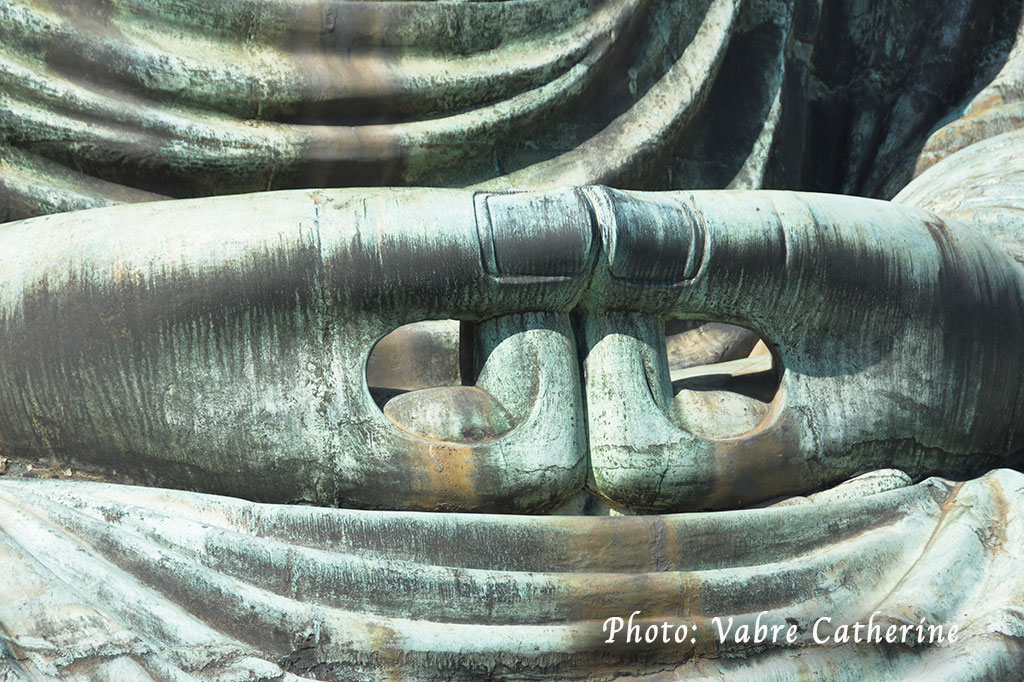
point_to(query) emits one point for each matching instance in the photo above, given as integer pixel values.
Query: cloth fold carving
(116, 582)
(113, 101)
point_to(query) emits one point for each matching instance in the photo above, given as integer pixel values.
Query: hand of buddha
(898, 339)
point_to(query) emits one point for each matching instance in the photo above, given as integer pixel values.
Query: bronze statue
(692, 411)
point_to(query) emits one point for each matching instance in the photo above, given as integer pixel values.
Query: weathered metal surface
(111, 101)
(115, 582)
(224, 349)
(223, 346)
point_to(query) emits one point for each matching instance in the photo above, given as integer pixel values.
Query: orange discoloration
(383, 639)
(988, 117)
(982, 104)
(447, 476)
(691, 601)
(763, 463)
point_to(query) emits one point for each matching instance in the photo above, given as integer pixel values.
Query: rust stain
(982, 104)
(447, 474)
(763, 463)
(387, 645)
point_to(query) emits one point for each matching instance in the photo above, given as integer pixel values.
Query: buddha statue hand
(896, 338)
(222, 345)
